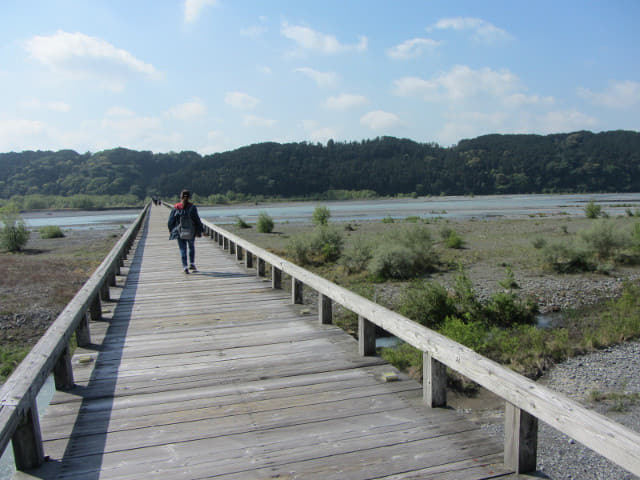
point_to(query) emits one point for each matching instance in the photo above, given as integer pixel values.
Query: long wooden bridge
(223, 374)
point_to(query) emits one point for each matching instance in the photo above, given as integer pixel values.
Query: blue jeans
(183, 251)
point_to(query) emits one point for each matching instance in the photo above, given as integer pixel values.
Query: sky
(215, 75)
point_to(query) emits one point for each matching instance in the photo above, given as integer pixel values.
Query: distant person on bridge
(184, 225)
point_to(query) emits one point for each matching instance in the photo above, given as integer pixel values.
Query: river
(453, 207)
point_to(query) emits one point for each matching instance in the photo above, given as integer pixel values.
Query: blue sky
(215, 75)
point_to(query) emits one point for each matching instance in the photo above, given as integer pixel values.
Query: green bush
(14, 235)
(323, 245)
(427, 303)
(299, 249)
(538, 243)
(240, 223)
(388, 219)
(454, 240)
(592, 210)
(265, 223)
(356, 256)
(635, 239)
(506, 309)
(50, 231)
(321, 216)
(567, 258)
(393, 261)
(603, 240)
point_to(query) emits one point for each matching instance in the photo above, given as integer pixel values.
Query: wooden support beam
(232, 248)
(520, 439)
(248, 259)
(276, 277)
(83, 334)
(95, 309)
(27, 441)
(366, 337)
(325, 313)
(238, 252)
(434, 381)
(296, 291)
(63, 371)
(260, 268)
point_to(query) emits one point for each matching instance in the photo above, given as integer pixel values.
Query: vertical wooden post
(27, 441)
(434, 381)
(520, 439)
(296, 291)
(325, 314)
(238, 252)
(104, 291)
(220, 240)
(225, 243)
(260, 267)
(83, 335)
(63, 372)
(248, 259)
(366, 337)
(95, 310)
(276, 277)
(232, 248)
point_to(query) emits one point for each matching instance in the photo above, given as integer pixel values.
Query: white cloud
(345, 101)
(566, 121)
(483, 31)
(254, 31)
(323, 134)
(379, 120)
(309, 39)
(56, 106)
(462, 83)
(617, 95)
(413, 48)
(264, 69)
(131, 127)
(80, 55)
(254, 121)
(188, 110)
(322, 79)
(240, 100)
(21, 134)
(193, 8)
(120, 112)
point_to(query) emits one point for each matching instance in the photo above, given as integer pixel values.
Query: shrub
(563, 258)
(506, 309)
(240, 223)
(14, 235)
(454, 240)
(321, 216)
(265, 223)
(427, 303)
(388, 219)
(635, 239)
(356, 256)
(603, 240)
(323, 245)
(299, 249)
(592, 210)
(50, 231)
(538, 243)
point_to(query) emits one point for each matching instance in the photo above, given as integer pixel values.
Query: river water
(461, 207)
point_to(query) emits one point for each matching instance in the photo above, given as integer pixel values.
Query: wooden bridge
(223, 374)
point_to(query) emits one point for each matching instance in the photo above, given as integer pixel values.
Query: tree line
(492, 164)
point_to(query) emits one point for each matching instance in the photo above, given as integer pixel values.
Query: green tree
(14, 234)
(321, 215)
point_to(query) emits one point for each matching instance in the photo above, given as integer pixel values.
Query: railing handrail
(18, 394)
(601, 434)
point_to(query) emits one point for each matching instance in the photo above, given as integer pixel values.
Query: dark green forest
(491, 164)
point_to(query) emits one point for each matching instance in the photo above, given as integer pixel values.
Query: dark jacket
(174, 219)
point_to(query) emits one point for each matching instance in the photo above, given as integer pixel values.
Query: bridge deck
(217, 375)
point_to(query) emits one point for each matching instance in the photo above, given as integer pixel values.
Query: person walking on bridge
(185, 225)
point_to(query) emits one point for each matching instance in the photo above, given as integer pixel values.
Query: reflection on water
(360, 210)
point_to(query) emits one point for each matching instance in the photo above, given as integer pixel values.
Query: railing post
(238, 252)
(225, 243)
(260, 268)
(232, 248)
(95, 310)
(83, 335)
(220, 240)
(296, 291)
(434, 381)
(248, 259)
(366, 337)
(104, 291)
(27, 441)
(325, 314)
(276, 277)
(520, 439)
(63, 371)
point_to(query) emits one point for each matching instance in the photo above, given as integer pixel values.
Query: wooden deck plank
(217, 375)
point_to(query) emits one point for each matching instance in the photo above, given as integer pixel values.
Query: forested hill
(573, 162)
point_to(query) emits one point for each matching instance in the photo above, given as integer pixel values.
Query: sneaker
(193, 268)
(186, 270)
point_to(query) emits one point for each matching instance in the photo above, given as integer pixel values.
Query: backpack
(186, 228)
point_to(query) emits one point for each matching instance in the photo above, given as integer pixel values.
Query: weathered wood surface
(217, 375)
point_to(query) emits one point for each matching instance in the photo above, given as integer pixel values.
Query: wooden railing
(526, 402)
(19, 421)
